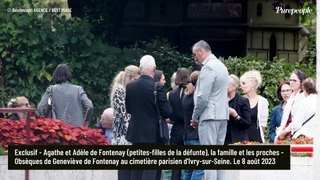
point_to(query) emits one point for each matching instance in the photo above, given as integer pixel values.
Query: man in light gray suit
(210, 112)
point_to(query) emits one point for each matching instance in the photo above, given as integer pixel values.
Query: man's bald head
(107, 118)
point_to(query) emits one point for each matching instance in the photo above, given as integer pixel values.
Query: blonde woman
(18, 102)
(117, 99)
(250, 81)
(120, 116)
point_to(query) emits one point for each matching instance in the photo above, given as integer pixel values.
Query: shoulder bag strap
(50, 101)
(303, 124)
(155, 98)
(50, 93)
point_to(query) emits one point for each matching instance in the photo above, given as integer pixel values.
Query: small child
(18, 102)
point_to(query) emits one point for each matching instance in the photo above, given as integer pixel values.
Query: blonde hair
(18, 102)
(190, 87)
(123, 78)
(254, 77)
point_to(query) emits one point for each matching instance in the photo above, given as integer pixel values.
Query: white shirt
(307, 109)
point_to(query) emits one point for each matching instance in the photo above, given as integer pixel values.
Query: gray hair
(233, 79)
(201, 45)
(173, 79)
(147, 62)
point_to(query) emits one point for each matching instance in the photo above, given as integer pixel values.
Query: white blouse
(263, 113)
(292, 106)
(307, 109)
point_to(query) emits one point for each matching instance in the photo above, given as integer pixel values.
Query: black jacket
(237, 129)
(143, 125)
(177, 131)
(190, 133)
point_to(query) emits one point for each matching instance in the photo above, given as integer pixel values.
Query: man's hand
(194, 123)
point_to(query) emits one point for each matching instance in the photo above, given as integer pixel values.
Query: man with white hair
(144, 125)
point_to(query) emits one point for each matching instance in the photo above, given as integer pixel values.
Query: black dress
(190, 133)
(237, 129)
(177, 131)
(254, 129)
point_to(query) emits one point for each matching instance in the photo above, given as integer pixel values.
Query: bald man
(106, 122)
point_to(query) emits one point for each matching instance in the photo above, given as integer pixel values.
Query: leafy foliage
(309, 21)
(168, 59)
(48, 131)
(272, 73)
(31, 46)
(2, 150)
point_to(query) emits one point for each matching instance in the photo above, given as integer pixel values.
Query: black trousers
(124, 174)
(176, 139)
(176, 175)
(144, 174)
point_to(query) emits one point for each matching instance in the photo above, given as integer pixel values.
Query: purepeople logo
(282, 10)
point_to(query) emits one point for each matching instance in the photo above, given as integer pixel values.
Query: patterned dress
(120, 118)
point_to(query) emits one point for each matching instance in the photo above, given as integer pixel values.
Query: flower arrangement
(247, 142)
(48, 131)
(299, 140)
(306, 152)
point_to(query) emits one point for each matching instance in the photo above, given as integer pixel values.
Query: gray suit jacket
(71, 104)
(210, 97)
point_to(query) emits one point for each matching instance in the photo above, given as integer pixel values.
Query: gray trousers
(213, 132)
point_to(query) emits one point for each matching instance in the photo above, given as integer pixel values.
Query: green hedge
(31, 46)
(272, 73)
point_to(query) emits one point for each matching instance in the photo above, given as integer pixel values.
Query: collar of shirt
(207, 59)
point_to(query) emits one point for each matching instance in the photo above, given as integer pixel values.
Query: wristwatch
(237, 117)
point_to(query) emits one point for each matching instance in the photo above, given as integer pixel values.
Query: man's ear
(201, 51)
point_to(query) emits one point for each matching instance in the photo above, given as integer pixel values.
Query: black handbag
(48, 112)
(163, 126)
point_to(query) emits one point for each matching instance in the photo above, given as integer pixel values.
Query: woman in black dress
(239, 110)
(175, 99)
(250, 82)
